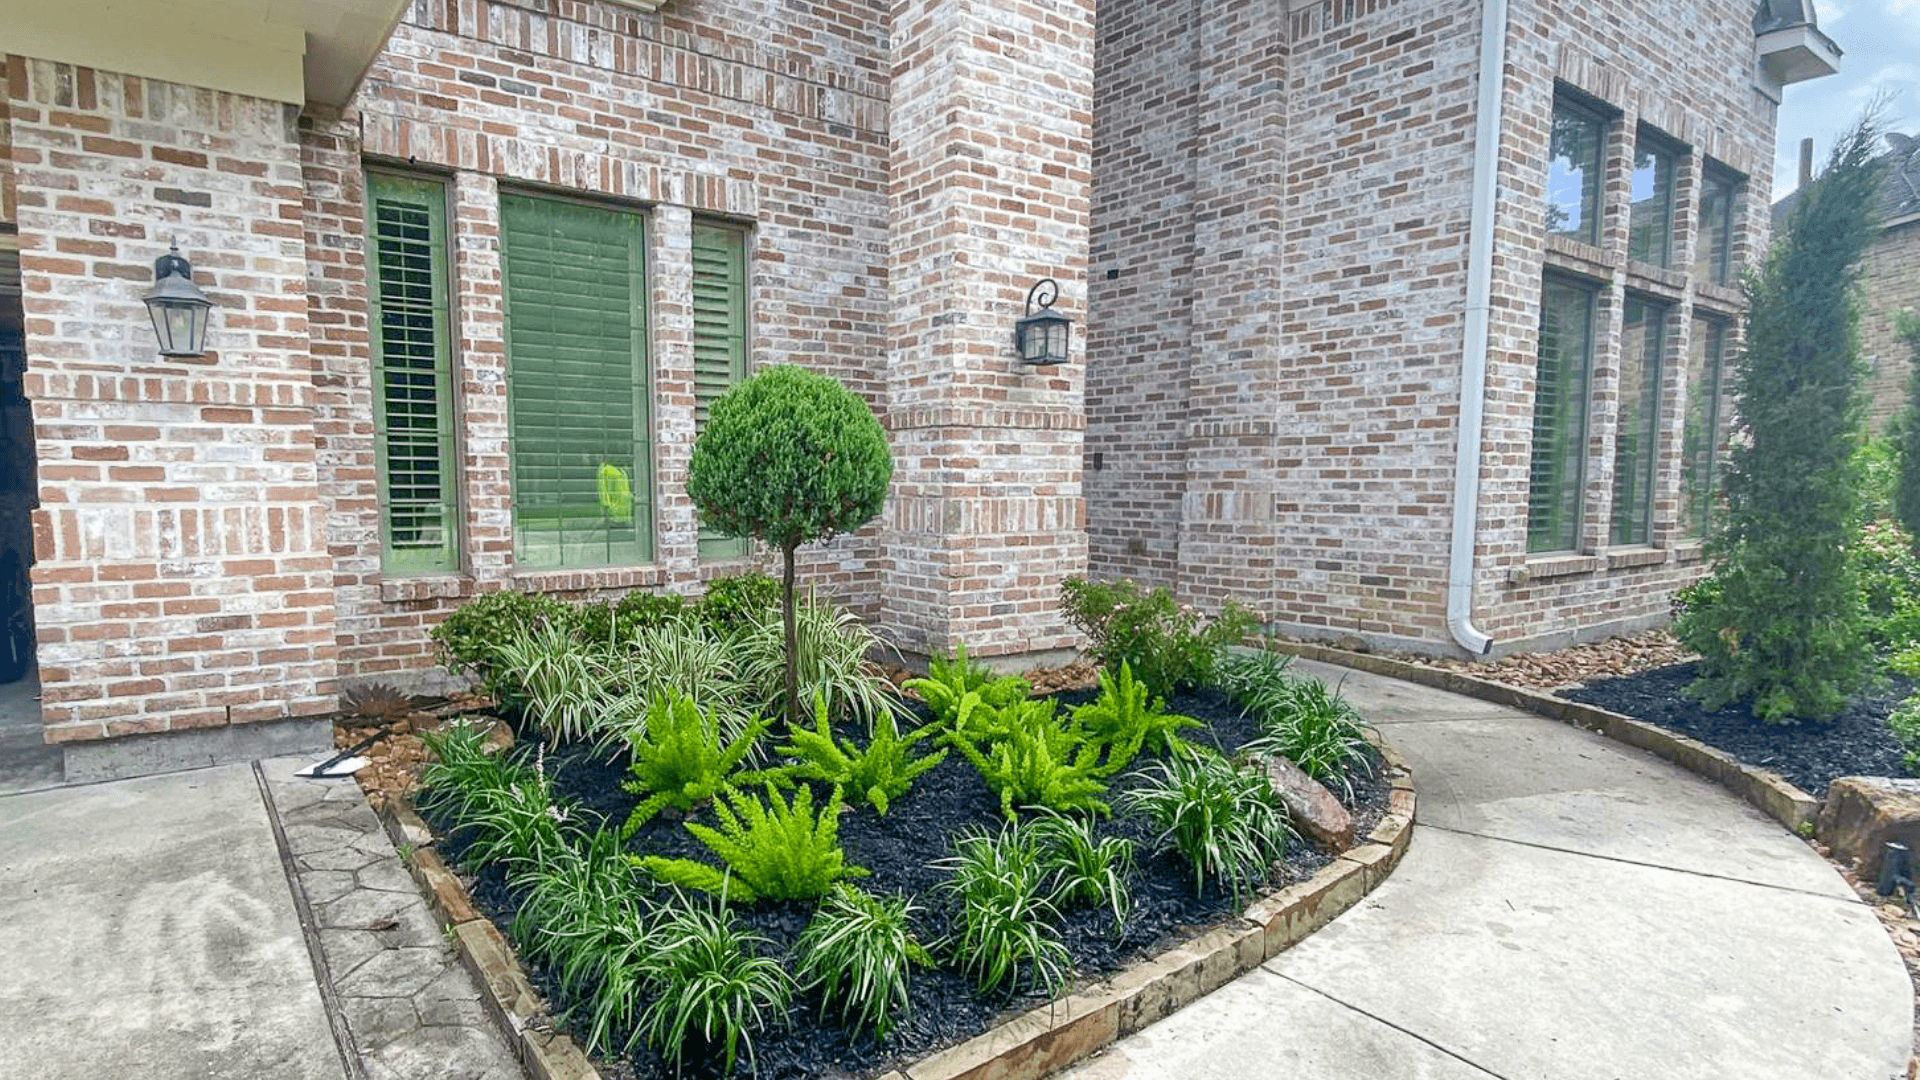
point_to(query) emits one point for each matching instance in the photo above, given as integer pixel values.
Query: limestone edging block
(1027, 1047)
(1767, 792)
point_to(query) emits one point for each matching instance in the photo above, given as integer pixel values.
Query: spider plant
(1005, 916)
(710, 986)
(832, 647)
(568, 684)
(858, 953)
(1082, 870)
(1311, 725)
(1226, 821)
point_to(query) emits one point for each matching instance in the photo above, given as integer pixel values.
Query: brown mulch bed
(1575, 665)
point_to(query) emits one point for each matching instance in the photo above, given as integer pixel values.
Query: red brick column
(990, 117)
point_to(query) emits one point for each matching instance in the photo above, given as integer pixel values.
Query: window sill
(1659, 280)
(1581, 258)
(1638, 555)
(1724, 299)
(397, 590)
(588, 578)
(1689, 551)
(1553, 566)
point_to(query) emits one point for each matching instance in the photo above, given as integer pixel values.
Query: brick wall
(1889, 283)
(1373, 176)
(768, 113)
(990, 123)
(182, 577)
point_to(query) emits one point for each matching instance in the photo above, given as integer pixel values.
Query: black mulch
(900, 850)
(1810, 755)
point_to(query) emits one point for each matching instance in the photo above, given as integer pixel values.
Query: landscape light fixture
(178, 307)
(1042, 336)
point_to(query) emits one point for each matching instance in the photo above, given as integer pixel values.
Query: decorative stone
(1313, 808)
(1862, 813)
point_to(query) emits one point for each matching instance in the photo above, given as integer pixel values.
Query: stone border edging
(1767, 792)
(547, 1054)
(1027, 1047)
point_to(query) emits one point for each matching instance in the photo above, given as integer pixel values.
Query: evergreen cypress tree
(1781, 621)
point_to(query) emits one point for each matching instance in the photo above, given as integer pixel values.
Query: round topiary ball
(789, 457)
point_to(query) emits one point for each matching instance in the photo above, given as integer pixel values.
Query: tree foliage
(789, 457)
(1780, 622)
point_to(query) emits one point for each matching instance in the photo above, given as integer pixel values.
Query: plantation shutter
(719, 338)
(1633, 443)
(1556, 470)
(577, 383)
(413, 395)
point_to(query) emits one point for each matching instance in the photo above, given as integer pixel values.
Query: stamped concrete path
(1570, 909)
(230, 923)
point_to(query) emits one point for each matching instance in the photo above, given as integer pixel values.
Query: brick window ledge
(396, 590)
(1638, 555)
(1561, 565)
(1689, 551)
(590, 579)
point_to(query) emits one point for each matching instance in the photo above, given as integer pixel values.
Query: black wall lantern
(1042, 336)
(178, 307)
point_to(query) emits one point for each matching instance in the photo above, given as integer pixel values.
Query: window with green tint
(411, 336)
(577, 383)
(1573, 172)
(1702, 435)
(1636, 433)
(1650, 225)
(1713, 252)
(719, 337)
(1557, 466)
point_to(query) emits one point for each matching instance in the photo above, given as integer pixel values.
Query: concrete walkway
(164, 928)
(1570, 909)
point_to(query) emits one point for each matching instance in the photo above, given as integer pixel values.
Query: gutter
(1473, 366)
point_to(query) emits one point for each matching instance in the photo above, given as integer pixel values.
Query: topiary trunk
(793, 641)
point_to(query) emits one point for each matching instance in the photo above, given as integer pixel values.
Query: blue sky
(1881, 40)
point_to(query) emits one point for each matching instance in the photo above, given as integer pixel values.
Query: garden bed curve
(1026, 1047)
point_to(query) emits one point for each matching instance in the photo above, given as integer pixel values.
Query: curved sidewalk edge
(1027, 1047)
(1768, 793)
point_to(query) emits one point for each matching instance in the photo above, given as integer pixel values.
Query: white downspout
(1473, 366)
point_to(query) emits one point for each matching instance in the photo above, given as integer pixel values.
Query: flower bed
(601, 934)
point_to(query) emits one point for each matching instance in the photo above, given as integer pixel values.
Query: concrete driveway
(1570, 909)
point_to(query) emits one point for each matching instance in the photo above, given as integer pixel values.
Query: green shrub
(469, 638)
(1005, 920)
(858, 953)
(829, 659)
(1904, 722)
(772, 851)
(789, 457)
(1170, 648)
(1121, 716)
(949, 681)
(1877, 463)
(1889, 574)
(880, 772)
(1081, 870)
(680, 659)
(1906, 662)
(1031, 758)
(679, 760)
(737, 600)
(1224, 820)
(1785, 628)
(711, 987)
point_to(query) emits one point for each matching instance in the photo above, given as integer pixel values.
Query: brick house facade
(1257, 212)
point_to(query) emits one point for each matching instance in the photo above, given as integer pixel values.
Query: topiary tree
(1781, 621)
(789, 457)
(1906, 492)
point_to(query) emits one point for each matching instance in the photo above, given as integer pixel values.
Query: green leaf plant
(1122, 716)
(1030, 757)
(858, 954)
(878, 773)
(679, 760)
(772, 851)
(948, 682)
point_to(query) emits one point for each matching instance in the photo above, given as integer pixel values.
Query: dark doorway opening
(25, 761)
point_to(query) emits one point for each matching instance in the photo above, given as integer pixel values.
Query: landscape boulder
(1313, 808)
(1861, 813)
